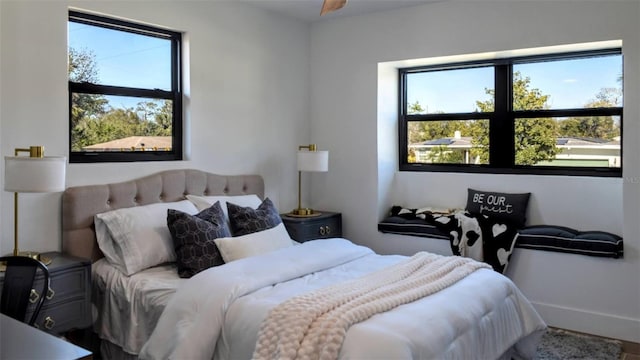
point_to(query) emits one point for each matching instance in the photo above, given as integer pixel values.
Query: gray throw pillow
(504, 206)
(247, 220)
(193, 237)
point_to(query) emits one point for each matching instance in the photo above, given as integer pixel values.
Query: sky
(570, 83)
(142, 61)
(146, 63)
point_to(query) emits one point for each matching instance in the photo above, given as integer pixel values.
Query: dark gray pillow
(568, 240)
(504, 206)
(414, 227)
(247, 220)
(193, 237)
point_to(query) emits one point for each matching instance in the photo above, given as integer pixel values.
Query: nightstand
(68, 304)
(325, 225)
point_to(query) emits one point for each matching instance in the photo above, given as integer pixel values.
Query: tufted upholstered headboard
(81, 203)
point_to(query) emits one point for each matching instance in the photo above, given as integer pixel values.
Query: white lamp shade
(313, 161)
(34, 174)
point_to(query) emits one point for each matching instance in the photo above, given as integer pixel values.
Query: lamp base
(34, 255)
(304, 212)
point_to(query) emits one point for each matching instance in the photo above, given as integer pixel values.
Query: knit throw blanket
(314, 325)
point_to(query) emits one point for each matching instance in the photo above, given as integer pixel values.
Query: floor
(630, 351)
(88, 340)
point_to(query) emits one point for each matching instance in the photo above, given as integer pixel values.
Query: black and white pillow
(193, 238)
(247, 220)
(504, 206)
(480, 237)
(465, 234)
(402, 212)
(499, 239)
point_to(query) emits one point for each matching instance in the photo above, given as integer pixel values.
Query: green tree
(164, 118)
(94, 121)
(157, 120)
(595, 127)
(415, 129)
(82, 66)
(535, 139)
(121, 123)
(443, 155)
(479, 131)
(85, 107)
(421, 131)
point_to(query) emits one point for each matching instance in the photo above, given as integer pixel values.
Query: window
(125, 92)
(556, 114)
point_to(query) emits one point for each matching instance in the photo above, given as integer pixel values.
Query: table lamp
(309, 159)
(32, 174)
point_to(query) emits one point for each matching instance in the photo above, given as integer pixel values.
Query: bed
(220, 312)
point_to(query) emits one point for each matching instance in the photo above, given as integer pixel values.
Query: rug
(559, 344)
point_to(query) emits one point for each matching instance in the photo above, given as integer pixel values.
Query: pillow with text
(505, 206)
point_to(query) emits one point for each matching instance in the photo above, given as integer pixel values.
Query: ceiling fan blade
(332, 5)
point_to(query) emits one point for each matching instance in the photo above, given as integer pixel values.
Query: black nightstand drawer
(68, 304)
(326, 225)
(60, 318)
(66, 284)
(69, 284)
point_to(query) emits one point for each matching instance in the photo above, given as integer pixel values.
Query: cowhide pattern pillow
(465, 234)
(403, 212)
(480, 237)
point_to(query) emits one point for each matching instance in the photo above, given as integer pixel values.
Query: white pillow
(203, 202)
(238, 247)
(136, 238)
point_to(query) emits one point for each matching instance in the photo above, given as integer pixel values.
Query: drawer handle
(325, 230)
(49, 323)
(50, 294)
(33, 296)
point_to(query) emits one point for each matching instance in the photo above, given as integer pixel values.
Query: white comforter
(219, 311)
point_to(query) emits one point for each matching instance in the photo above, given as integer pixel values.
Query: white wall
(261, 84)
(2, 166)
(353, 114)
(246, 98)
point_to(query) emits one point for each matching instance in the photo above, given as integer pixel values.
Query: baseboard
(631, 347)
(605, 325)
